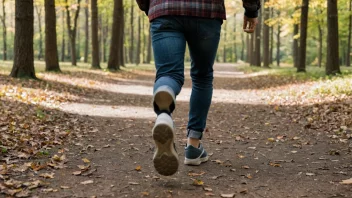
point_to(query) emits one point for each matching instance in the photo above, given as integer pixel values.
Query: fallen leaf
(244, 191)
(77, 173)
(138, 168)
(87, 182)
(85, 160)
(310, 174)
(228, 195)
(89, 172)
(208, 189)
(133, 183)
(245, 167)
(347, 181)
(47, 175)
(145, 193)
(191, 174)
(271, 139)
(64, 187)
(209, 194)
(197, 182)
(275, 164)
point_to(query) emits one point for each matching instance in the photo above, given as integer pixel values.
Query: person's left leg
(203, 43)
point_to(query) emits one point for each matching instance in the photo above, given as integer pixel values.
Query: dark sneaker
(165, 157)
(164, 100)
(195, 156)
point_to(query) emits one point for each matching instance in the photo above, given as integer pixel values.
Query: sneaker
(164, 100)
(165, 157)
(195, 156)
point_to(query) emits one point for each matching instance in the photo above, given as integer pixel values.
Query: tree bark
(271, 38)
(39, 16)
(4, 31)
(348, 55)
(332, 55)
(115, 45)
(72, 31)
(122, 38)
(320, 48)
(105, 38)
(63, 37)
(242, 47)
(303, 37)
(51, 54)
(132, 35)
(266, 34)
(23, 66)
(278, 45)
(249, 49)
(257, 60)
(138, 54)
(295, 45)
(86, 44)
(95, 41)
(234, 39)
(224, 44)
(149, 48)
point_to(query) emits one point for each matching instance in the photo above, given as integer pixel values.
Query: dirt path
(257, 149)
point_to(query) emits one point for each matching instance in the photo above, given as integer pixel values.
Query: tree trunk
(72, 31)
(63, 37)
(224, 44)
(132, 35)
(271, 38)
(95, 41)
(115, 45)
(295, 45)
(278, 45)
(149, 48)
(39, 16)
(86, 44)
(266, 34)
(242, 47)
(23, 66)
(234, 38)
(249, 49)
(138, 54)
(51, 55)
(4, 31)
(320, 48)
(303, 37)
(348, 55)
(252, 50)
(105, 38)
(332, 55)
(257, 60)
(122, 35)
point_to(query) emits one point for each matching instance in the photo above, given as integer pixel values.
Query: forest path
(257, 148)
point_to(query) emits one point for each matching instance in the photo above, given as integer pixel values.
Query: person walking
(173, 24)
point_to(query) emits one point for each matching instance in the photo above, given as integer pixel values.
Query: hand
(249, 24)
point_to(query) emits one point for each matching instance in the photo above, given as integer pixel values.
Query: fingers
(249, 25)
(245, 23)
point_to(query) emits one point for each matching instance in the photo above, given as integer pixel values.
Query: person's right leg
(169, 45)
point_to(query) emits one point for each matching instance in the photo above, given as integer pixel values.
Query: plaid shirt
(198, 8)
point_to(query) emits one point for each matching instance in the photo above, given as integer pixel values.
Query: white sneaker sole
(164, 98)
(165, 157)
(196, 162)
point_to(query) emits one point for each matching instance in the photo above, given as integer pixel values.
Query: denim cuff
(194, 134)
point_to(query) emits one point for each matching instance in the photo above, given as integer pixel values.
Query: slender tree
(295, 50)
(23, 66)
(332, 55)
(234, 40)
(114, 62)
(4, 31)
(138, 54)
(303, 37)
(131, 52)
(38, 9)
(257, 55)
(266, 47)
(348, 55)
(63, 47)
(95, 41)
(278, 44)
(51, 54)
(72, 29)
(86, 43)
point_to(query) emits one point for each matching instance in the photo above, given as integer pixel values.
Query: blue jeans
(169, 37)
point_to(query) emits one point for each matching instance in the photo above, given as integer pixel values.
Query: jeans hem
(194, 134)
